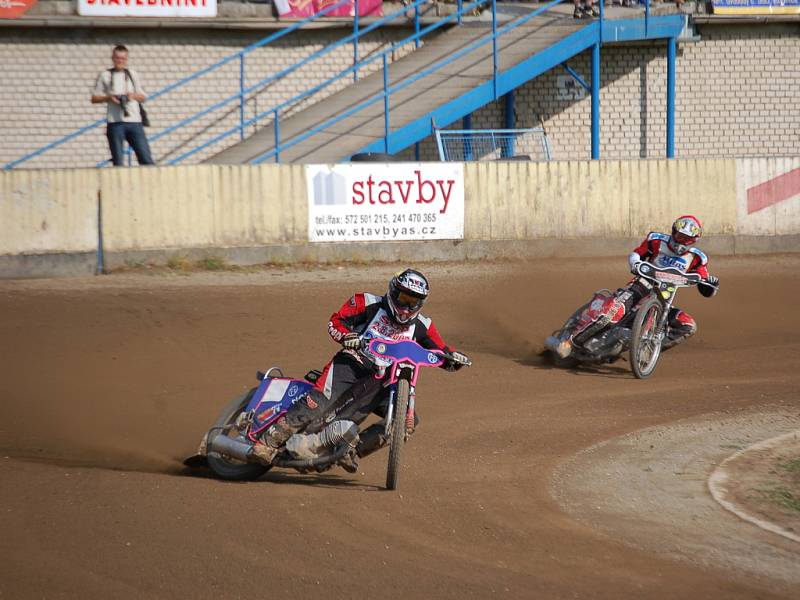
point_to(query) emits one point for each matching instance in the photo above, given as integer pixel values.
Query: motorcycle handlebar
(363, 349)
(647, 271)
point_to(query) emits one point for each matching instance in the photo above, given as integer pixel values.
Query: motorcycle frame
(409, 372)
(401, 368)
(664, 292)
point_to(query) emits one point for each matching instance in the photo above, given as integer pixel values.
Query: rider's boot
(681, 327)
(266, 448)
(349, 462)
(371, 439)
(562, 347)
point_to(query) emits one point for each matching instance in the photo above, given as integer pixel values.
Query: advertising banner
(756, 7)
(14, 9)
(768, 196)
(301, 9)
(369, 202)
(147, 8)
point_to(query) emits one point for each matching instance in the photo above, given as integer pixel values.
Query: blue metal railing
(244, 93)
(493, 37)
(345, 73)
(476, 144)
(387, 90)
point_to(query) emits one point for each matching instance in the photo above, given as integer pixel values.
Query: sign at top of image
(756, 7)
(147, 8)
(13, 9)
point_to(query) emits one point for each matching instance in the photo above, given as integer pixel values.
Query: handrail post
(494, 46)
(466, 124)
(460, 10)
(355, 42)
(601, 20)
(241, 96)
(510, 122)
(277, 136)
(596, 101)
(386, 103)
(671, 51)
(416, 23)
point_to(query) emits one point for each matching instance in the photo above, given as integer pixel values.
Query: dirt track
(107, 383)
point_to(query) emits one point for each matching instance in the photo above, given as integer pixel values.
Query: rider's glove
(351, 341)
(635, 267)
(708, 290)
(455, 361)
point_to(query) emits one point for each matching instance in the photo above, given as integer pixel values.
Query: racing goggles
(684, 239)
(407, 301)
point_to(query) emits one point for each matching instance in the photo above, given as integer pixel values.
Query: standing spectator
(121, 90)
(586, 11)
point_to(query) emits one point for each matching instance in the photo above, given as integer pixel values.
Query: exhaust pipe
(235, 448)
(310, 463)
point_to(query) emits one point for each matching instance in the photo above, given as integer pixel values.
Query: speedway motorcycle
(641, 332)
(227, 448)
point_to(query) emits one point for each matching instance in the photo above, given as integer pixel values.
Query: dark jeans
(133, 133)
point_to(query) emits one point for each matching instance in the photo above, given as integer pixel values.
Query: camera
(123, 103)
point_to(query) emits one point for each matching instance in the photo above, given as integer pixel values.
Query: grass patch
(792, 466)
(212, 263)
(179, 263)
(781, 496)
(731, 446)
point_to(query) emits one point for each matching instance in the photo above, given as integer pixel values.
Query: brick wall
(737, 91)
(48, 75)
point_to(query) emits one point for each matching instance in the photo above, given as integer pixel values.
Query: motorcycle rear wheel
(645, 343)
(227, 468)
(398, 433)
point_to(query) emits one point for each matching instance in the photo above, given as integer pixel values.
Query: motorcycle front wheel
(398, 433)
(226, 467)
(645, 341)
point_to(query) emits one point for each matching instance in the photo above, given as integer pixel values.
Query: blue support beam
(466, 123)
(671, 52)
(617, 30)
(596, 101)
(510, 123)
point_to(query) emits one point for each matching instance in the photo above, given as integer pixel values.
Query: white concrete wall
(203, 206)
(601, 199)
(48, 211)
(168, 209)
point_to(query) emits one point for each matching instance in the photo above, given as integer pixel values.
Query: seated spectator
(585, 9)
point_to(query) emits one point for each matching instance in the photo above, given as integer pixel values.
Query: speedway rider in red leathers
(676, 251)
(346, 384)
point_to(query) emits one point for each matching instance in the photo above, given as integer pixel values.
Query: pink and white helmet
(686, 230)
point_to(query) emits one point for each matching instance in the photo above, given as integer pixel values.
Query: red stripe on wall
(773, 191)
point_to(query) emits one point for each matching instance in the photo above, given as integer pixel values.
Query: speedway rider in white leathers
(662, 250)
(346, 383)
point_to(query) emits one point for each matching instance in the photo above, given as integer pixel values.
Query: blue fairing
(408, 351)
(273, 397)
